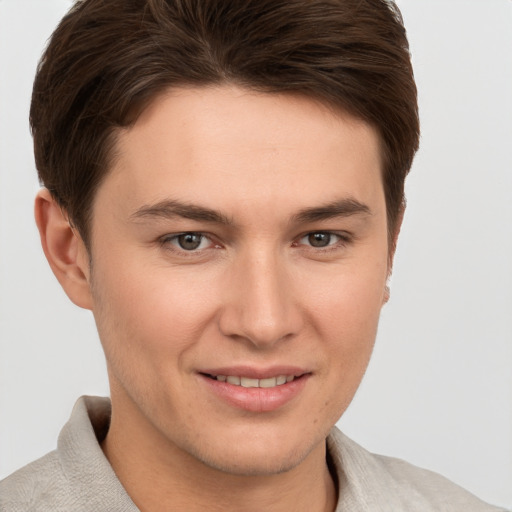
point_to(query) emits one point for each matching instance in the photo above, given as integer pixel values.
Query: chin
(259, 455)
(266, 464)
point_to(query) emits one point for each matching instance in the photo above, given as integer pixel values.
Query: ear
(392, 249)
(64, 249)
(394, 237)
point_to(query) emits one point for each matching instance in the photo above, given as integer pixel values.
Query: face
(239, 261)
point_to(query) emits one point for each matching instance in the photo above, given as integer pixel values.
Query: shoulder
(40, 486)
(376, 482)
(77, 476)
(426, 486)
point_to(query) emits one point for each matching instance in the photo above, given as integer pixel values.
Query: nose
(261, 306)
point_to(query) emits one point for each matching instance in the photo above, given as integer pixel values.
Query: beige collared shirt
(77, 477)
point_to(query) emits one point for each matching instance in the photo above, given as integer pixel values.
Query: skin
(256, 292)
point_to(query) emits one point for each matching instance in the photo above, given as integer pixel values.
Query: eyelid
(342, 234)
(165, 242)
(345, 238)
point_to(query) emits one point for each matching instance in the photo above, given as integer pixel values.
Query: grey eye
(319, 239)
(189, 241)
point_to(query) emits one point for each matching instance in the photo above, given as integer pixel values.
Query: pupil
(189, 241)
(319, 239)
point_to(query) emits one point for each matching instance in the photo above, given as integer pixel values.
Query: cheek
(346, 316)
(149, 326)
(146, 314)
(349, 299)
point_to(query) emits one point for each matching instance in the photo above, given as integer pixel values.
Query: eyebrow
(339, 208)
(170, 209)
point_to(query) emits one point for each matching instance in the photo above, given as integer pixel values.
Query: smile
(256, 390)
(247, 382)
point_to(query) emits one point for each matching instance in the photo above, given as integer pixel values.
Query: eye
(320, 239)
(188, 241)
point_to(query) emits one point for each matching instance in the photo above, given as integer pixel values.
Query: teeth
(268, 383)
(247, 382)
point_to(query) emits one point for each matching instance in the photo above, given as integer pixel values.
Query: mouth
(256, 390)
(249, 382)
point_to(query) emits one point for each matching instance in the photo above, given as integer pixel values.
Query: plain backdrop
(438, 391)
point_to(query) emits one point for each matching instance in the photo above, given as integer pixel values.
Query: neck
(159, 476)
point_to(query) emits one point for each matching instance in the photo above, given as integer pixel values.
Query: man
(224, 190)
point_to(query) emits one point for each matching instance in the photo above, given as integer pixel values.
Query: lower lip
(257, 399)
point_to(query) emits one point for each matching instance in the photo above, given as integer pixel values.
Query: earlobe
(387, 294)
(64, 249)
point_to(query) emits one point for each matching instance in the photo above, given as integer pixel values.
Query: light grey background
(439, 388)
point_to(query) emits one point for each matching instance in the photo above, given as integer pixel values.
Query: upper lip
(254, 372)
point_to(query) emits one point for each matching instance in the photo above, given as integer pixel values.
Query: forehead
(199, 144)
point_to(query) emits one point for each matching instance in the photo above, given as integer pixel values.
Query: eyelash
(167, 240)
(344, 239)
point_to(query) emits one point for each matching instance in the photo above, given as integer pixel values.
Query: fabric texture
(77, 476)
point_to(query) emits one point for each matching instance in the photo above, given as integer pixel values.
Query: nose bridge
(262, 308)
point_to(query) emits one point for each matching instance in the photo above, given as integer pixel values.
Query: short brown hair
(108, 58)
